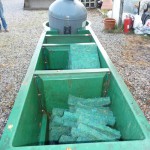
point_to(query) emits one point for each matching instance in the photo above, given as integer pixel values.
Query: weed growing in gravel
(115, 30)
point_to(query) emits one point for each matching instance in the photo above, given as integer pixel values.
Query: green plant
(115, 30)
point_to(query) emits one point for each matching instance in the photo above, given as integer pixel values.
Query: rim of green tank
(10, 128)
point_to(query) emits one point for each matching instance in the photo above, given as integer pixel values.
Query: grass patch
(103, 13)
(147, 36)
(115, 30)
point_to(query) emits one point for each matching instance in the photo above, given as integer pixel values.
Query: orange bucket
(109, 23)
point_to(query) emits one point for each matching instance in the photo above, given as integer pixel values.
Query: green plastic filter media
(78, 124)
(83, 56)
(64, 139)
(57, 132)
(96, 102)
(94, 133)
(104, 111)
(56, 121)
(58, 112)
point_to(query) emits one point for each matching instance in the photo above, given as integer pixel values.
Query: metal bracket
(67, 29)
(45, 57)
(106, 84)
(38, 92)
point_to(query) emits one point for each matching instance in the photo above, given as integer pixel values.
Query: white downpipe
(116, 10)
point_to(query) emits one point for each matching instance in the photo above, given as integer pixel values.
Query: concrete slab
(107, 5)
(37, 4)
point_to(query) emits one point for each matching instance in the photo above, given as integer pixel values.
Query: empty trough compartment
(68, 57)
(51, 90)
(54, 57)
(68, 39)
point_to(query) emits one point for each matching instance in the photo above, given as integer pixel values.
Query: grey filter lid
(68, 15)
(68, 9)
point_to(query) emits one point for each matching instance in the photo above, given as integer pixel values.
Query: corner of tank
(49, 30)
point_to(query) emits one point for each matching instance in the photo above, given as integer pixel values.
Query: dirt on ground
(136, 47)
(137, 54)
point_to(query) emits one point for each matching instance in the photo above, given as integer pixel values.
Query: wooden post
(26, 4)
(120, 13)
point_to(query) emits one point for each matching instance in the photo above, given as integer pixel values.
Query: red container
(127, 24)
(109, 23)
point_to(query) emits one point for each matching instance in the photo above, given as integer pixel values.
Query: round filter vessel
(67, 16)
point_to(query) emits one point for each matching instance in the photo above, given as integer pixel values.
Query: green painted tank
(57, 71)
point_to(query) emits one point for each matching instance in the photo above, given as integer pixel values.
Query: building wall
(129, 6)
(37, 4)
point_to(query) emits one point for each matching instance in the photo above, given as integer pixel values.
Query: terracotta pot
(109, 23)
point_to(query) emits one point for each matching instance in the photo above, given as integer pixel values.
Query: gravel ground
(131, 56)
(129, 53)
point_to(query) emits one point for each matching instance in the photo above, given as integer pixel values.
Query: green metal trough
(50, 80)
